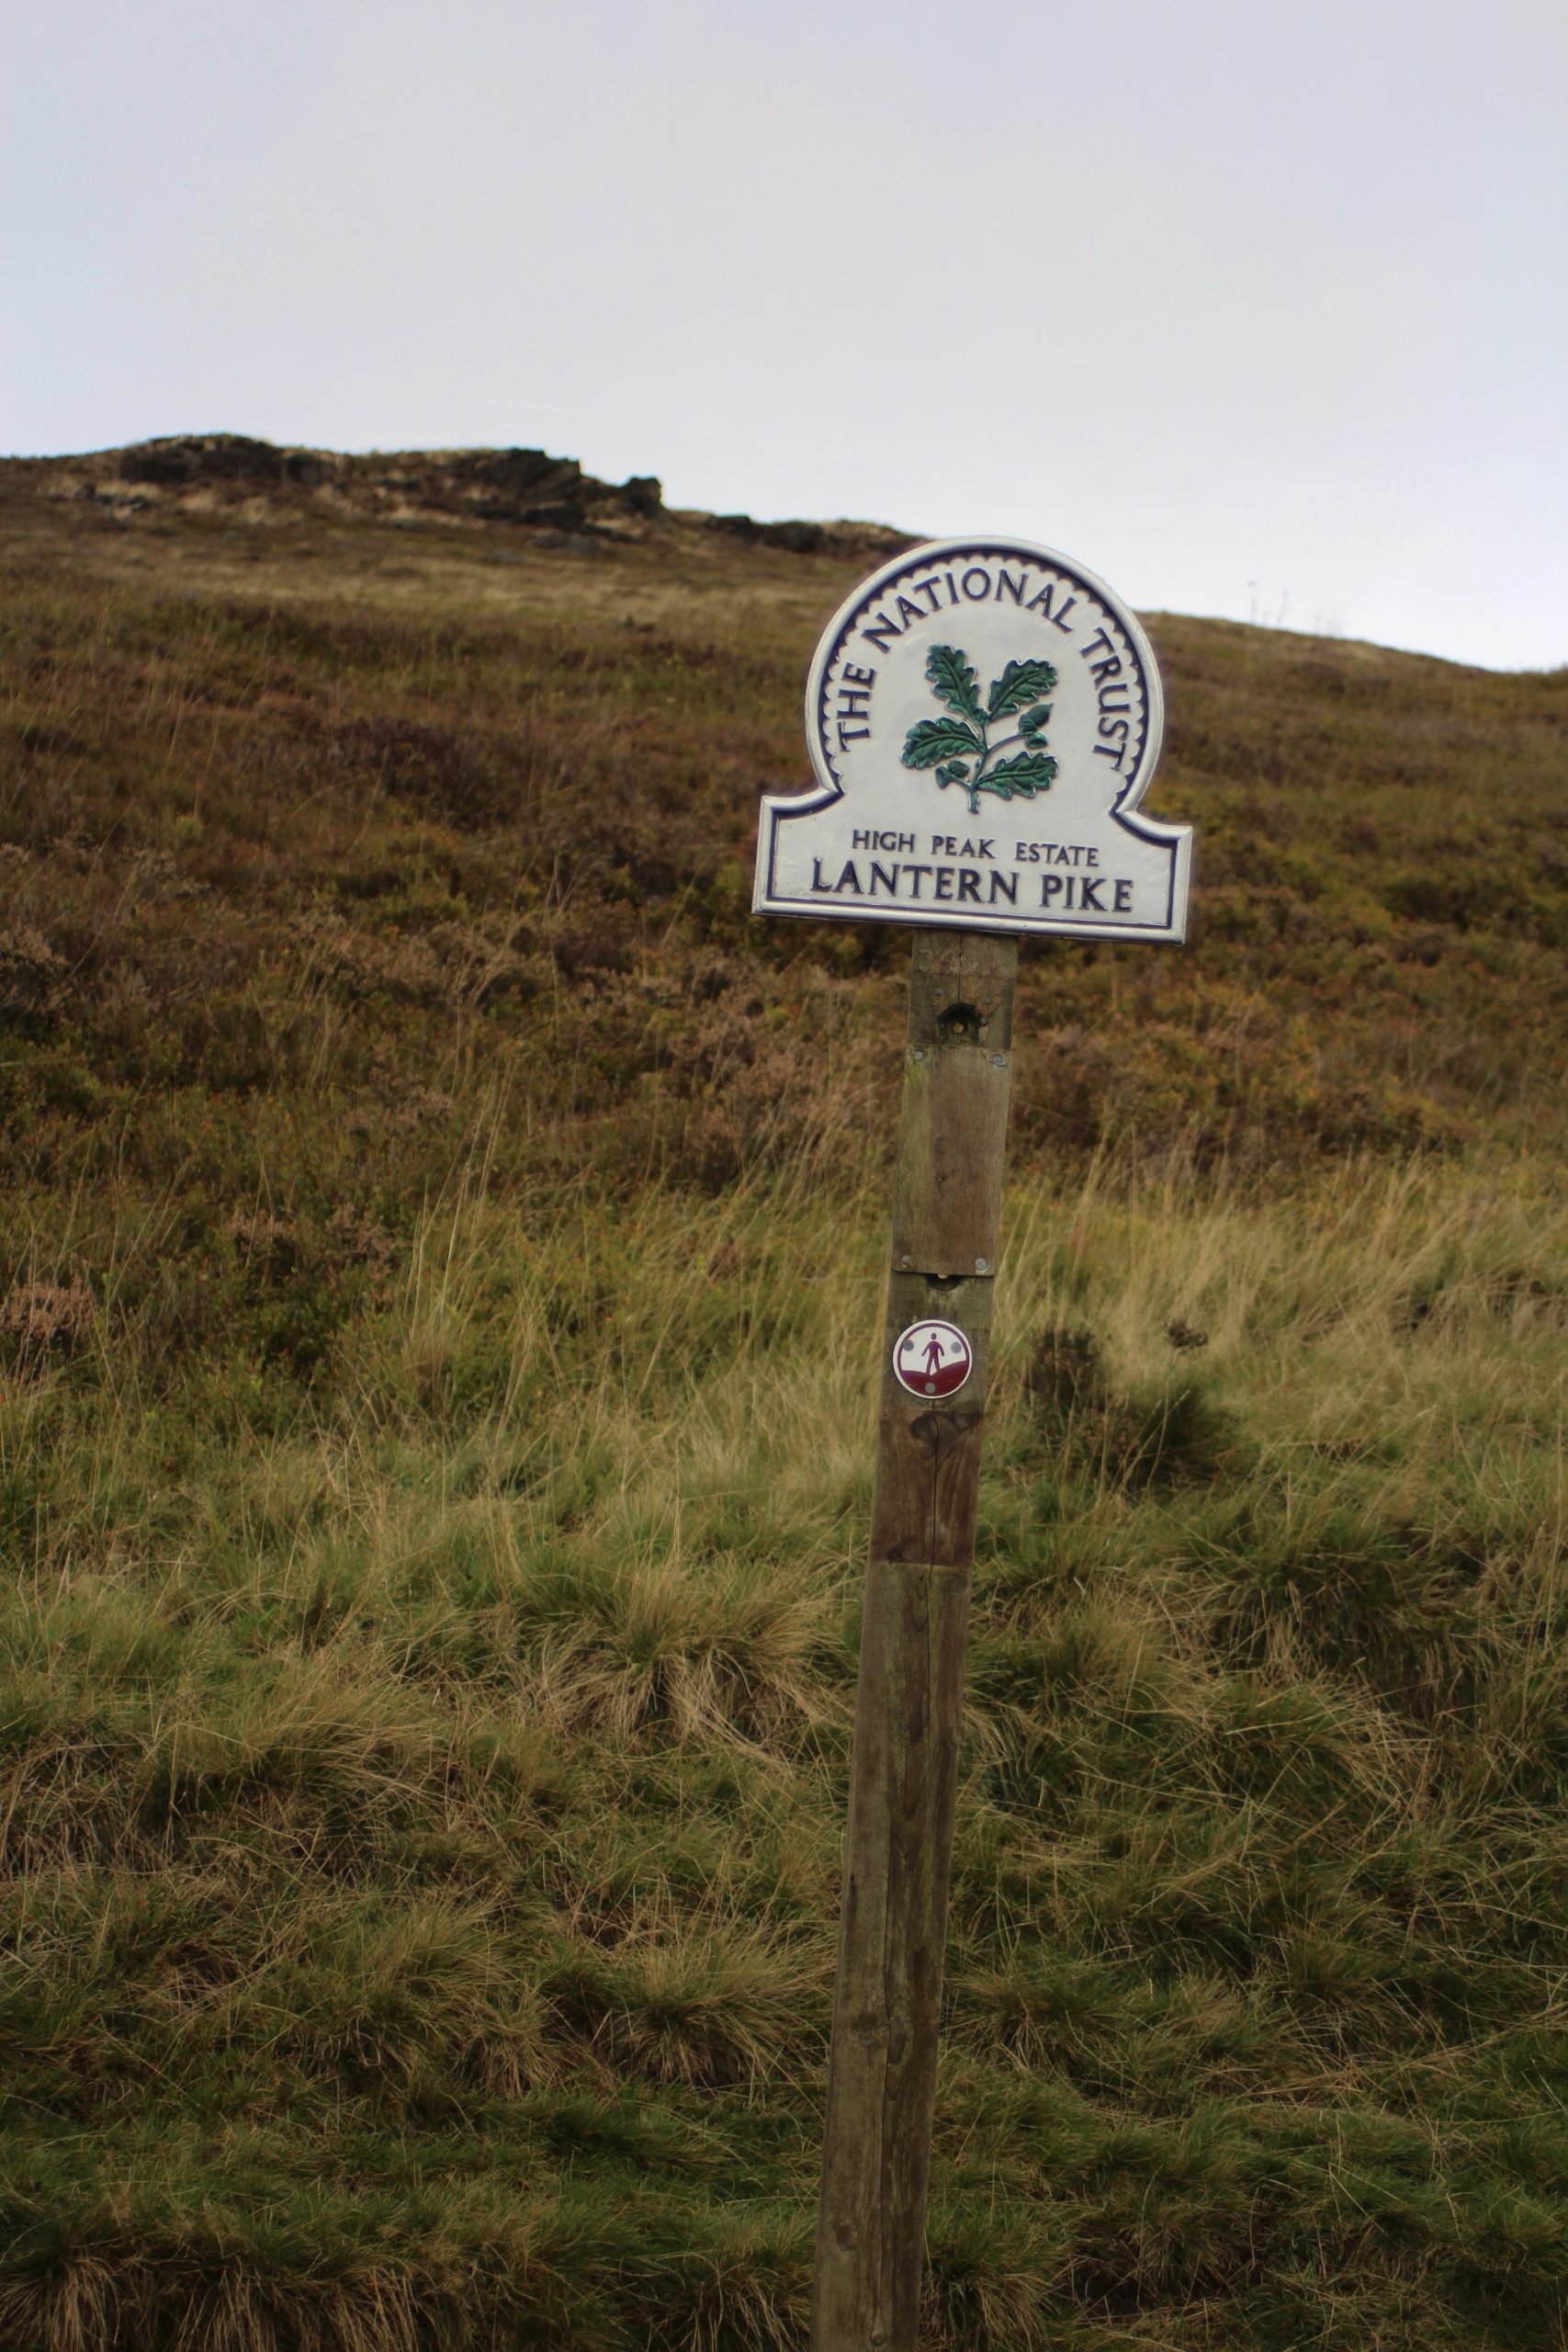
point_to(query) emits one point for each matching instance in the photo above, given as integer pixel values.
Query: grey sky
(1257, 310)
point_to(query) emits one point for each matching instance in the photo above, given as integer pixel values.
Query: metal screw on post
(904, 1773)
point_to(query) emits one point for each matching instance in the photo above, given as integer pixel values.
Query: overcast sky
(1256, 307)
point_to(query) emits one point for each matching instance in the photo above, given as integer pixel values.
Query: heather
(440, 1268)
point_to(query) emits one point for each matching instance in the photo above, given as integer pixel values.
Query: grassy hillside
(440, 1274)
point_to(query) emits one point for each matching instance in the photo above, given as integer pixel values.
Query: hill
(439, 1277)
(471, 762)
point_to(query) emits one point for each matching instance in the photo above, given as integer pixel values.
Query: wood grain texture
(947, 1195)
(947, 1191)
(974, 967)
(897, 1864)
(909, 1708)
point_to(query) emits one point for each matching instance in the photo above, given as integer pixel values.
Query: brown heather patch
(457, 826)
(31, 975)
(41, 1319)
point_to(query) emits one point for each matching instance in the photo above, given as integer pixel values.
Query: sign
(983, 717)
(932, 1359)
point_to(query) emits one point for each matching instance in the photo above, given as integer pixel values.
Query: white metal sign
(932, 1359)
(983, 718)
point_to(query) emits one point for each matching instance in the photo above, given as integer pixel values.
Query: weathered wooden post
(988, 667)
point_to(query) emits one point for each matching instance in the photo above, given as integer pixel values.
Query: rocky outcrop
(549, 499)
(259, 480)
(813, 538)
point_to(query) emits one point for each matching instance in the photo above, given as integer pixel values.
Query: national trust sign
(983, 717)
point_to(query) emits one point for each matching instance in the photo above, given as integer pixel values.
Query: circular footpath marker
(932, 1359)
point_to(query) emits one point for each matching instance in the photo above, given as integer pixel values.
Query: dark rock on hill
(259, 481)
(250, 481)
(813, 538)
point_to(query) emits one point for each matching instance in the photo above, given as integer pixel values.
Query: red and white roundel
(932, 1359)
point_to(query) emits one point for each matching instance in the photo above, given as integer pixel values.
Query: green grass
(423, 1821)
(440, 1278)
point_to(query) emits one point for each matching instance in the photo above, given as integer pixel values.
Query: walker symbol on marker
(932, 1359)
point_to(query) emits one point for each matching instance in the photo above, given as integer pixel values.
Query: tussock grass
(424, 1822)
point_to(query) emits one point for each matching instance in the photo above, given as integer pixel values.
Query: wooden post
(899, 1848)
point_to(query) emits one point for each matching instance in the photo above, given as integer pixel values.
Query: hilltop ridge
(550, 499)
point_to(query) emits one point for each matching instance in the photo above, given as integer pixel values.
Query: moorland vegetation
(440, 1275)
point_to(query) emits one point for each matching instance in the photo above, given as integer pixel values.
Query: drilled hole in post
(960, 1021)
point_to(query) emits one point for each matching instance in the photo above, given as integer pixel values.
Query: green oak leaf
(938, 738)
(1020, 683)
(1020, 777)
(952, 680)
